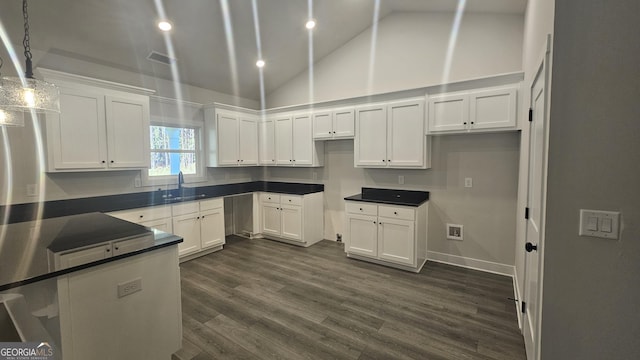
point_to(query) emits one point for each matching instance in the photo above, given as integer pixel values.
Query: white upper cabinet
(482, 110)
(294, 145)
(267, 140)
(334, 124)
(391, 135)
(233, 138)
(98, 129)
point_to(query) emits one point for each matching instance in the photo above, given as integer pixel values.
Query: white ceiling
(121, 33)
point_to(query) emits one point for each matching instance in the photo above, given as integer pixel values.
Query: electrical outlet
(339, 237)
(468, 182)
(137, 182)
(401, 179)
(32, 190)
(129, 287)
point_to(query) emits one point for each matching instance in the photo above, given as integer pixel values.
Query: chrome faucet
(180, 180)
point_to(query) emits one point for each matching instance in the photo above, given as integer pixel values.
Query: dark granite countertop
(49, 209)
(391, 196)
(26, 247)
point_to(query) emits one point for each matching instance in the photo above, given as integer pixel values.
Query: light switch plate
(601, 224)
(468, 182)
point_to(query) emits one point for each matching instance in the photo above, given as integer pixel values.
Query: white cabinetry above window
(98, 128)
(482, 110)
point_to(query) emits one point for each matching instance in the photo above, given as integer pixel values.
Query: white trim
(471, 263)
(518, 297)
(52, 75)
(171, 101)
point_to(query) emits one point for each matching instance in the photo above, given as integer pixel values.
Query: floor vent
(161, 58)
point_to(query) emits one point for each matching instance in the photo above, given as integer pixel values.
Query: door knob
(530, 247)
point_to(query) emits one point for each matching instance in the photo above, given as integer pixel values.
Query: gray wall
(410, 53)
(591, 285)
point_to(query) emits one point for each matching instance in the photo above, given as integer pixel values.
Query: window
(174, 149)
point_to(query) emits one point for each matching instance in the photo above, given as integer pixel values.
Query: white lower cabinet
(200, 224)
(296, 219)
(387, 234)
(158, 217)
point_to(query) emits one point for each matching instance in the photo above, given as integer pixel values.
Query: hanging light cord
(25, 41)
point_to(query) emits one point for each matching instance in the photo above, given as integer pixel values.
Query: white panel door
(371, 136)
(344, 123)
(212, 228)
(362, 235)
(323, 125)
(267, 153)
(227, 126)
(187, 227)
(271, 222)
(160, 224)
(128, 131)
(396, 241)
(248, 143)
(77, 136)
(448, 112)
(405, 135)
(493, 108)
(283, 141)
(291, 222)
(302, 140)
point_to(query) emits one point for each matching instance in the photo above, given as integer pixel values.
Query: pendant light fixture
(7, 117)
(28, 93)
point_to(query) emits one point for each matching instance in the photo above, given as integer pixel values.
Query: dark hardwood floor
(260, 299)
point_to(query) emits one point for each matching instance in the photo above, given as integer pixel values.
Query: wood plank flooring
(260, 299)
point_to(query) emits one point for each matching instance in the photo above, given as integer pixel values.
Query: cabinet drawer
(395, 212)
(361, 208)
(131, 245)
(290, 200)
(186, 208)
(269, 198)
(143, 214)
(211, 204)
(84, 256)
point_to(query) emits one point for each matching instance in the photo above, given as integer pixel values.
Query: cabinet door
(187, 227)
(343, 123)
(493, 108)
(405, 134)
(291, 222)
(227, 133)
(267, 153)
(323, 125)
(283, 141)
(77, 136)
(248, 143)
(362, 235)
(302, 140)
(448, 112)
(128, 131)
(371, 136)
(396, 241)
(160, 224)
(212, 228)
(271, 223)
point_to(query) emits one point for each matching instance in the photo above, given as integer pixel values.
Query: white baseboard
(517, 295)
(471, 263)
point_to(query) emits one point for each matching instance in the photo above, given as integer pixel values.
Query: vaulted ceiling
(122, 33)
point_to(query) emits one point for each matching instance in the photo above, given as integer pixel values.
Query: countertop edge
(386, 202)
(174, 241)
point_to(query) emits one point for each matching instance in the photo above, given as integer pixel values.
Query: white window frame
(201, 170)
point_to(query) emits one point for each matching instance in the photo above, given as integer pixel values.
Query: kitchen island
(93, 286)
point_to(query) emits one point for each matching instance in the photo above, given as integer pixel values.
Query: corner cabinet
(294, 219)
(233, 138)
(389, 235)
(97, 129)
(391, 135)
(481, 110)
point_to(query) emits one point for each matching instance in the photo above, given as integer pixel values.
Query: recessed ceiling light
(164, 25)
(260, 63)
(311, 23)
